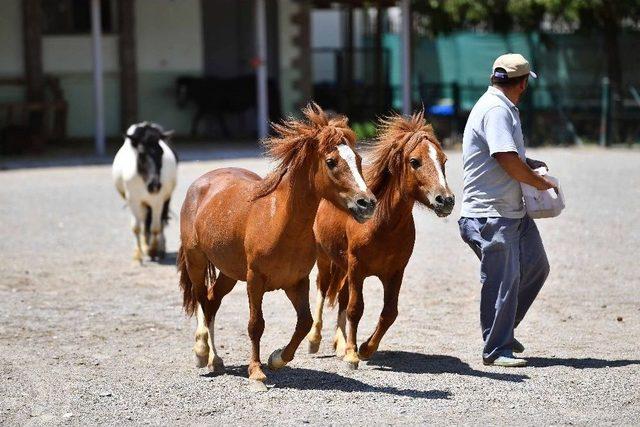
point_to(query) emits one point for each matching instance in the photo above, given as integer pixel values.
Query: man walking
(494, 223)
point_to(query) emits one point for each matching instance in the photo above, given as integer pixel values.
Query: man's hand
(535, 164)
(520, 171)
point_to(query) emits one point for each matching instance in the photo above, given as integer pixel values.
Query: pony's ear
(168, 134)
(134, 141)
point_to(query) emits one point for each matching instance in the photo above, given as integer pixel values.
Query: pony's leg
(322, 284)
(387, 316)
(255, 291)
(355, 308)
(299, 297)
(315, 335)
(162, 243)
(155, 230)
(137, 221)
(201, 347)
(197, 269)
(340, 337)
(221, 287)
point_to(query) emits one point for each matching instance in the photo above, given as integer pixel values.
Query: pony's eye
(415, 163)
(331, 163)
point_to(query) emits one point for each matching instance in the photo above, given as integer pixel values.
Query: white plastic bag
(543, 203)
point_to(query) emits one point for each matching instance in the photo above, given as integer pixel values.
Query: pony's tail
(189, 300)
(190, 295)
(337, 280)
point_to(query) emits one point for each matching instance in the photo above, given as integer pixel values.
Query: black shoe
(517, 346)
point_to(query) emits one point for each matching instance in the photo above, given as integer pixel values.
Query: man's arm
(520, 171)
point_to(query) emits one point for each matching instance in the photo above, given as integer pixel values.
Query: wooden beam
(32, 30)
(128, 65)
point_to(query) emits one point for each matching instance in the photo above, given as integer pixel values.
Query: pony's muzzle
(444, 204)
(154, 186)
(364, 208)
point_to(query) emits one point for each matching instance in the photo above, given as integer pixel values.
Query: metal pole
(406, 56)
(261, 69)
(604, 114)
(98, 94)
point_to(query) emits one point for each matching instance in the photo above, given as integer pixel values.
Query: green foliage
(442, 16)
(364, 130)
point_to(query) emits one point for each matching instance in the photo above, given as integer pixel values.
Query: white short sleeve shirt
(493, 127)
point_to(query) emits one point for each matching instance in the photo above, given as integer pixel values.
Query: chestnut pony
(407, 165)
(236, 226)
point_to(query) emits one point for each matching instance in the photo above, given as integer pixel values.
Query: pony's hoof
(364, 352)
(257, 386)
(351, 360)
(352, 366)
(314, 347)
(201, 352)
(201, 361)
(275, 360)
(255, 372)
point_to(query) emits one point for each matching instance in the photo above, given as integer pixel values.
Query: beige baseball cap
(515, 66)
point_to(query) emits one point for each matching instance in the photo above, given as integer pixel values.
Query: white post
(261, 69)
(98, 94)
(406, 56)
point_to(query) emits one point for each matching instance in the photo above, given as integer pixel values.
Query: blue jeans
(513, 268)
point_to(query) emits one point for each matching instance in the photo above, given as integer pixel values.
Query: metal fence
(558, 113)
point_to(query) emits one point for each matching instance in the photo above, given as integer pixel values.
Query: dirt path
(86, 337)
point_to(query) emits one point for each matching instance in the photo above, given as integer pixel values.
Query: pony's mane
(397, 136)
(296, 141)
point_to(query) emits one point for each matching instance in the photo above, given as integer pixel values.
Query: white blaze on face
(350, 157)
(436, 163)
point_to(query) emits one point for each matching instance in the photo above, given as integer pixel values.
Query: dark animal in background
(219, 97)
(144, 172)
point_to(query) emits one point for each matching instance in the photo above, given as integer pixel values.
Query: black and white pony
(144, 172)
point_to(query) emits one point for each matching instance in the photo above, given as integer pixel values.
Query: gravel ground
(89, 338)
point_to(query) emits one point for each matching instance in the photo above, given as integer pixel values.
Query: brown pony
(407, 165)
(261, 230)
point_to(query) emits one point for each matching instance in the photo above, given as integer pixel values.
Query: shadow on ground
(417, 363)
(169, 259)
(586, 363)
(309, 379)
